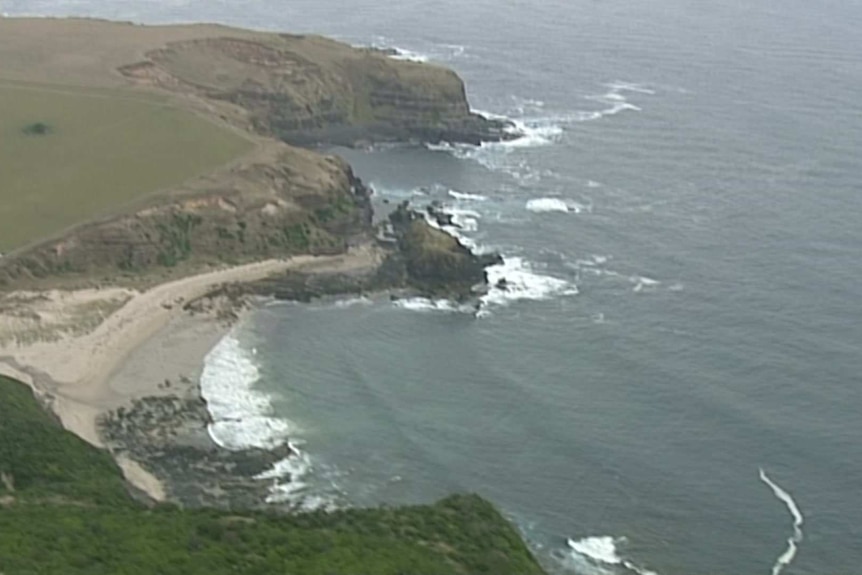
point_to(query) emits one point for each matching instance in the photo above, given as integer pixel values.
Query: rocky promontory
(436, 263)
(309, 90)
(281, 91)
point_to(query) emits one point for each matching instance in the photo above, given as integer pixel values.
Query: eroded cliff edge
(280, 200)
(308, 90)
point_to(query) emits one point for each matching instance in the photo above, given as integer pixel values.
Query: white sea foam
(602, 549)
(242, 416)
(793, 541)
(620, 86)
(352, 302)
(543, 205)
(642, 282)
(615, 100)
(515, 280)
(463, 196)
(533, 132)
(286, 477)
(242, 419)
(409, 55)
(540, 205)
(597, 553)
(463, 220)
(428, 305)
(540, 129)
(466, 220)
(510, 281)
(439, 52)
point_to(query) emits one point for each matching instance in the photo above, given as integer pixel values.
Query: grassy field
(70, 154)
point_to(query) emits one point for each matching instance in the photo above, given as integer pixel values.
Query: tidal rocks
(435, 262)
(168, 436)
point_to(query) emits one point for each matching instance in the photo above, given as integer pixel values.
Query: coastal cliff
(308, 90)
(119, 365)
(280, 199)
(64, 508)
(277, 202)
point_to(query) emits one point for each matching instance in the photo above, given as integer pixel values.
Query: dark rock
(434, 262)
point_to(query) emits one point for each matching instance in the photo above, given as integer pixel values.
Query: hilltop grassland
(71, 154)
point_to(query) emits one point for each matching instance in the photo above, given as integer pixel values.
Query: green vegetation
(42, 462)
(37, 129)
(63, 510)
(175, 238)
(106, 149)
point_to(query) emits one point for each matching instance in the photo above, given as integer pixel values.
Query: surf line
(793, 541)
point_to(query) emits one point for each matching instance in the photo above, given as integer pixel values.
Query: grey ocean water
(693, 169)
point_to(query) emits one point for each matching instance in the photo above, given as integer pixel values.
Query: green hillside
(69, 154)
(63, 509)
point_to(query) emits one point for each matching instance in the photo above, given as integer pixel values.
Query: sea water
(670, 382)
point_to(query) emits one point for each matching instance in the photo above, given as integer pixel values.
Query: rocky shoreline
(168, 436)
(300, 220)
(167, 433)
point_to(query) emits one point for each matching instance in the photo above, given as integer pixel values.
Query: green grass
(103, 149)
(67, 513)
(44, 461)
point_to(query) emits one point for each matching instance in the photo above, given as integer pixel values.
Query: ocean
(671, 382)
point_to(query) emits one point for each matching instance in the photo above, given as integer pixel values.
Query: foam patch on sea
(544, 205)
(441, 52)
(598, 555)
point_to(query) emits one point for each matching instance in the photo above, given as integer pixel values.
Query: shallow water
(681, 229)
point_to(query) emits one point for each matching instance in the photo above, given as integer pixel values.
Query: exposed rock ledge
(309, 90)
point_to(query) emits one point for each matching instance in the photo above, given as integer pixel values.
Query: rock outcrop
(434, 262)
(308, 90)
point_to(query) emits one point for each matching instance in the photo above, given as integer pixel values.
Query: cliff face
(307, 90)
(281, 201)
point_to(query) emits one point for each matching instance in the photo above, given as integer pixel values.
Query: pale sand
(85, 373)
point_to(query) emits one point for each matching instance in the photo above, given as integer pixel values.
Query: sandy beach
(92, 351)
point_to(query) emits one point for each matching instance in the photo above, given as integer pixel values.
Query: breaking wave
(463, 196)
(795, 539)
(241, 415)
(428, 305)
(242, 419)
(599, 556)
(515, 280)
(542, 205)
(531, 125)
(438, 52)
